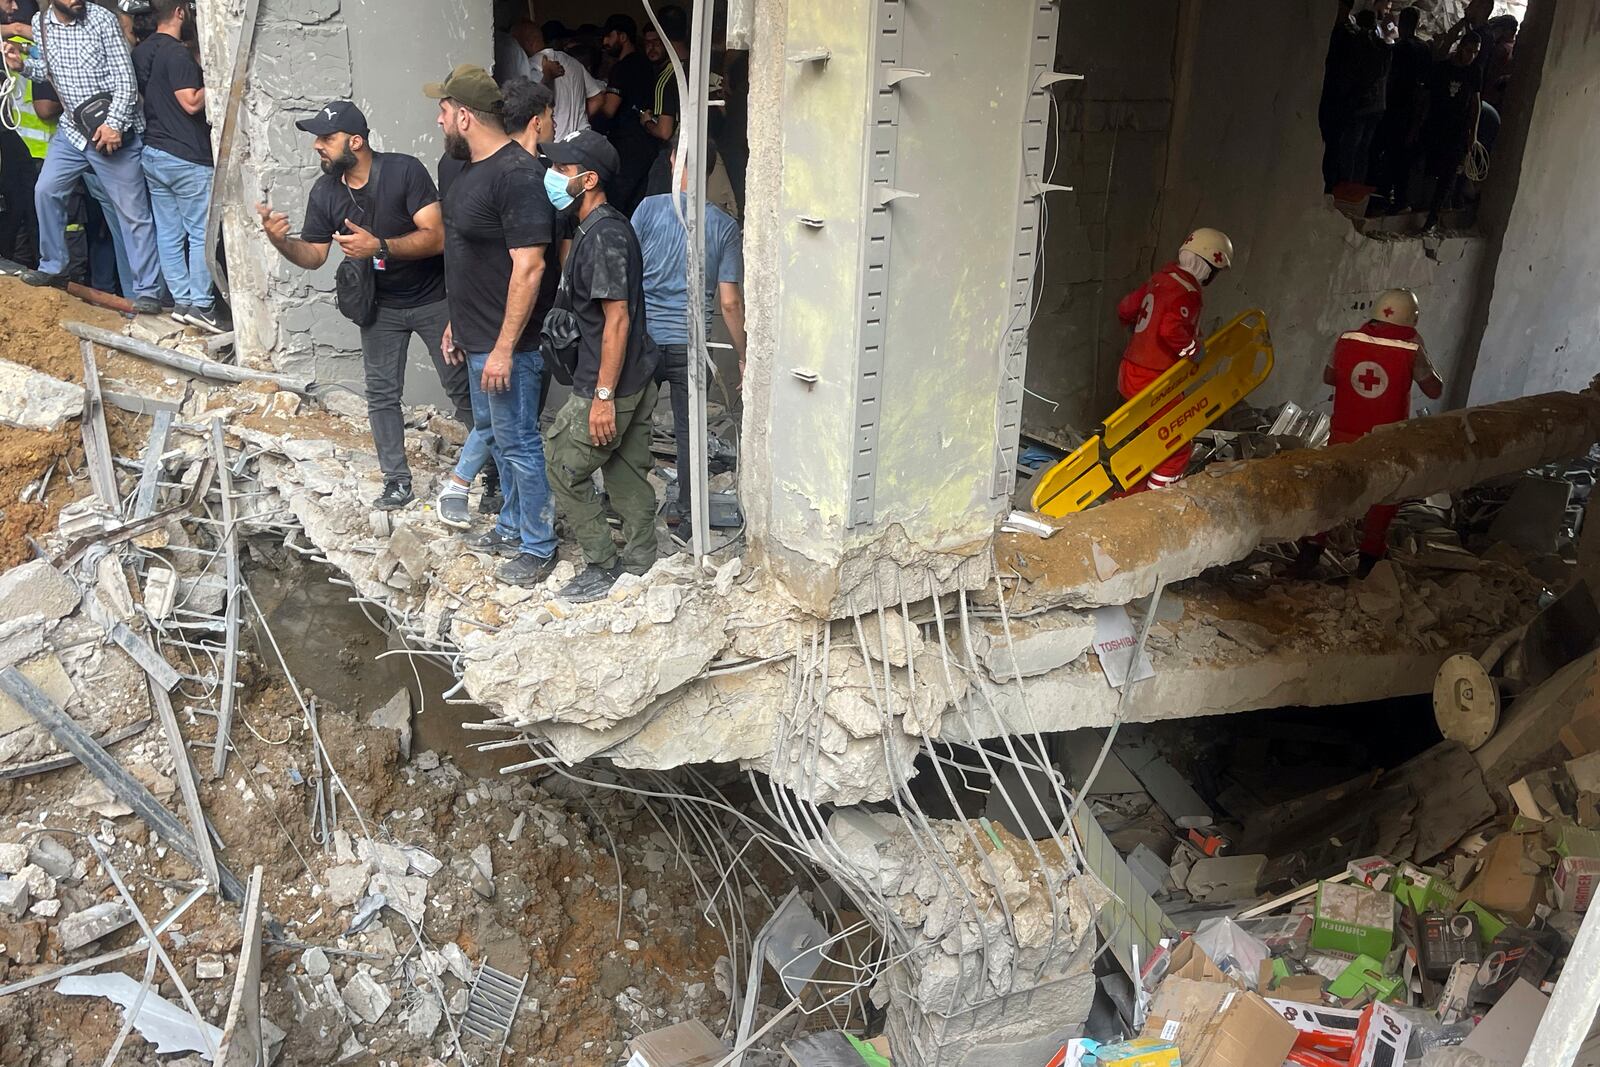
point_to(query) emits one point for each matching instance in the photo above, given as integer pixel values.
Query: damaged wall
(1542, 317)
(1247, 159)
(1111, 147)
(306, 53)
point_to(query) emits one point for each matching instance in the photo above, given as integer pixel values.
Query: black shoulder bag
(355, 283)
(94, 112)
(558, 337)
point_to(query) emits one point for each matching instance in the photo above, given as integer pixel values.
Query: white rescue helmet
(1397, 306)
(1212, 246)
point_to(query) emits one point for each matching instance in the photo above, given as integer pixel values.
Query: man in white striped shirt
(79, 49)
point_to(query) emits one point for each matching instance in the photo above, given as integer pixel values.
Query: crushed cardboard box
(1216, 1024)
(1353, 920)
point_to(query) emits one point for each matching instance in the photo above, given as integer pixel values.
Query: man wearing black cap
(605, 426)
(382, 206)
(498, 222)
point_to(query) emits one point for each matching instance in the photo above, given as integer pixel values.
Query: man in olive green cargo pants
(606, 425)
(573, 457)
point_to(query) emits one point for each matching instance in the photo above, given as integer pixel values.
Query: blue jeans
(123, 178)
(179, 194)
(529, 513)
(478, 451)
(99, 270)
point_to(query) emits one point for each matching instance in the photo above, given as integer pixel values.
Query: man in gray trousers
(381, 206)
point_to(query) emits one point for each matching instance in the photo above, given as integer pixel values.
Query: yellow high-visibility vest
(34, 130)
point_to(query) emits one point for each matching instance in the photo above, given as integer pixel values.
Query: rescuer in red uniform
(1371, 371)
(1164, 314)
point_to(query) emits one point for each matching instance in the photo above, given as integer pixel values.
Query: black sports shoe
(396, 494)
(145, 305)
(527, 569)
(492, 499)
(40, 280)
(181, 313)
(209, 319)
(494, 544)
(592, 583)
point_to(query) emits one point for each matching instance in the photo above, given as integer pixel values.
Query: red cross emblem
(1369, 379)
(1388, 313)
(1216, 257)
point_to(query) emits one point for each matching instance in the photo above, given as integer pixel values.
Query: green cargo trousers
(572, 459)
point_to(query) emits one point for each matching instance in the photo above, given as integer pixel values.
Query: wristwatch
(383, 249)
(602, 393)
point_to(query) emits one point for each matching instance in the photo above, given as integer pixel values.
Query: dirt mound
(30, 331)
(24, 456)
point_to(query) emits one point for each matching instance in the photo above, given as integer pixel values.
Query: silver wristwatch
(602, 393)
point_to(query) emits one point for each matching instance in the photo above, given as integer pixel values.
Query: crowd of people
(105, 153)
(542, 251)
(1397, 108)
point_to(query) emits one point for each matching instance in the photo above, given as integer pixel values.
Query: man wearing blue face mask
(605, 426)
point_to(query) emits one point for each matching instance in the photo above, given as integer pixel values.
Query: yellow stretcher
(1238, 358)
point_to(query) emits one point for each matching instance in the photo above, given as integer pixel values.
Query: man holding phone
(80, 50)
(380, 206)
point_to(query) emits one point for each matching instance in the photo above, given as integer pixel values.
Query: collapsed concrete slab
(33, 401)
(1113, 554)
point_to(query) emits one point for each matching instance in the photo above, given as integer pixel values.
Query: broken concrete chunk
(13, 858)
(36, 588)
(347, 882)
(94, 796)
(396, 716)
(407, 895)
(423, 862)
(51, 677)
(423, 1018)
(40, 885)
(47, 909)
(383, 856)
(30, 400)
(364, 996)
(21, 638)
(315, 961)
(661, 603)
(91, 924)
(482, 874)
(1221, 879)
(456, 960)
(54, 858)
(1038, 644)
(14, 898)
(209, 968)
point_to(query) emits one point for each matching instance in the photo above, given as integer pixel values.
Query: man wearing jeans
(605, 426)
(663, 243)
(177, 162)
(79, 48)
(498, 224)
(380, 206)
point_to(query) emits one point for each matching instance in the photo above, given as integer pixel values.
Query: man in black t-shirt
(605, 426)
(628, 105)
(382, 206)
(177, 162)
(498, 223)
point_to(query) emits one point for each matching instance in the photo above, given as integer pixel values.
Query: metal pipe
(196, 365)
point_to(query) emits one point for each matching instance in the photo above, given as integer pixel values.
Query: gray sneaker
(181, 313)
(453, 510)
(527, 569)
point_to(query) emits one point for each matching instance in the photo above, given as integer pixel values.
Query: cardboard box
(1502, 885)
(1382, 1038)
(1329, 1031)
(1216, 1024)
(1352, 919)
(1375, 872)
(1575, 881)
(1190, 961)
(688, 1044)
(1140, 1052)
(1423, 890)
(1489, 924)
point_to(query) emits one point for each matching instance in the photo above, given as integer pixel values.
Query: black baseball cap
(340, 116)
(587, 149)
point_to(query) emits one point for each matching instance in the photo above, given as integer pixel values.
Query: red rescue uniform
(1164, 314)
(1372, 370)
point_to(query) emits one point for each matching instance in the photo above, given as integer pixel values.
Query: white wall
(1246, 158)
(1544, 314)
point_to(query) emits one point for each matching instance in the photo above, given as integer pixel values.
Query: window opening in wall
(1411, 109)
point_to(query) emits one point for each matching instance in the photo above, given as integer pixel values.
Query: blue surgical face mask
(555, 187)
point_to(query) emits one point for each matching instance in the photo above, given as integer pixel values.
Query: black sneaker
(181, 313)
(592, 583)
(452, 509)
(40, 280)
(494, 544)
(527, 569)
(396, 494)
(145, 305)
(209, 319)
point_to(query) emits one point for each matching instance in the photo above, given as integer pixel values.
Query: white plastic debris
(162, 1023)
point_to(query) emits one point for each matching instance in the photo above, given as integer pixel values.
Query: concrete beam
(1112, 554)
